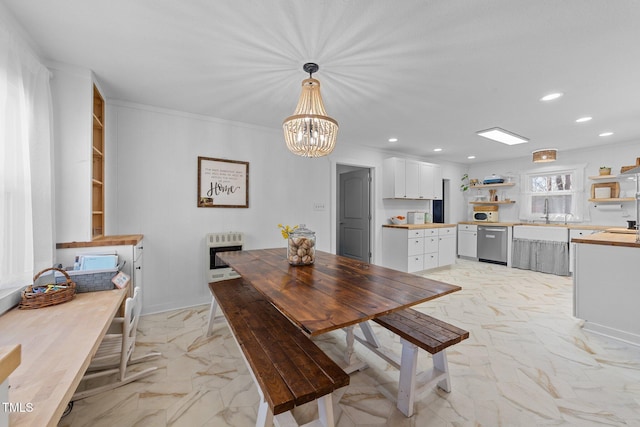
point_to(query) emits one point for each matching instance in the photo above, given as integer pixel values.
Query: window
(555, 195)
(26, 220)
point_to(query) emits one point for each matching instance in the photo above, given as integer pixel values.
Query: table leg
(351, 363)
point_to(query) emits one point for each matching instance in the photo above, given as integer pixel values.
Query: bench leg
(265, 416)
(212, 315)
(440, 363)
(407, 384)
(325, 410)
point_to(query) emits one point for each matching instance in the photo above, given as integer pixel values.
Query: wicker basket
(32, 299)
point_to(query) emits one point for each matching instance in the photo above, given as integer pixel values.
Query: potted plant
(605, 170)
(465, 182)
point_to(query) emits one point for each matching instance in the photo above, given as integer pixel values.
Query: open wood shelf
(504, 184)
(616, 199)
(502, 202)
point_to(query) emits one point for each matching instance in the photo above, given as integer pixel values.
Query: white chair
(115, 353)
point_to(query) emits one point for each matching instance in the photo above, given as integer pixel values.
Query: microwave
(486, 216)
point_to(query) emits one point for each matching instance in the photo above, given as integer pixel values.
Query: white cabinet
(431, 255)
(576, 234)
(430, 181)
(468, 240)
(132, 255)
(410, 179)
(418, 249)
(446, 246)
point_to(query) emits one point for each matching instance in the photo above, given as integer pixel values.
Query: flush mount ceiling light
(309, 132)
(606, 134)
(501, 135)
(551, 96)
(545, 155)
(584, 119)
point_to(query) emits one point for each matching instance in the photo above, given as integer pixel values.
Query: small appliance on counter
(485, 213)
(416, 217)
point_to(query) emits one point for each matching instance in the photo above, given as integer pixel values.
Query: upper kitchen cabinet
(411, 179)
(79, 147)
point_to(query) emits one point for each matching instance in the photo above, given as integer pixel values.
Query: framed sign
(222, 183)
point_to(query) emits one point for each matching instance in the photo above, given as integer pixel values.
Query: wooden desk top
(335, 291)
(58, 343)
(117, 240)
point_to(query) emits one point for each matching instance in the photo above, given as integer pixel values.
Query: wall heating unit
(215, 243)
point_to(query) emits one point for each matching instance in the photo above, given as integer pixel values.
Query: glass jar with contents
(301, 249)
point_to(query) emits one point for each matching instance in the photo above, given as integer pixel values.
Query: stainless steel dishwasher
(492, 244)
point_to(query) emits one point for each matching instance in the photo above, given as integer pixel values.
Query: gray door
(354, 215)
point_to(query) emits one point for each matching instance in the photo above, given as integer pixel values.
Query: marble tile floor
(527, 363)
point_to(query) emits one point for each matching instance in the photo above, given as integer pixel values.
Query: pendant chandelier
(309, 132)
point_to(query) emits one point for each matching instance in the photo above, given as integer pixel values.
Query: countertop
(57, 344)
(419, 226)
(497, 224)
(117, 240)
(612, 237)
(9, 360)
(536, 224)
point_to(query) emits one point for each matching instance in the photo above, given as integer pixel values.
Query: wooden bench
(288, 368)
(416, 330)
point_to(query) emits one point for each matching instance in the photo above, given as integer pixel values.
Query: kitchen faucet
(546, 211)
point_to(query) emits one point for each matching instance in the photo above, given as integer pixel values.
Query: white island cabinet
(606, 291)
(414, 248)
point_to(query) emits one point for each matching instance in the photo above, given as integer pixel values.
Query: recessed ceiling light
(437, 149)
(583, 119)
(501, 135)
(551, 96)
(471, 157)
(606, 134)
(393, 139)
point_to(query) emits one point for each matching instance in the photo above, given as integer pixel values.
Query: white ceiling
(430, 73)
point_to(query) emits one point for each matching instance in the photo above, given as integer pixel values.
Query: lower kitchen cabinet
(446, 246)
(412, 250)
(468, 240)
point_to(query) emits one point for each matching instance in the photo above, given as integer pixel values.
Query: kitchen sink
(547, 233)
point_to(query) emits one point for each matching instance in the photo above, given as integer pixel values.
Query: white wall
(72, 99)
(623, 154)
(155, 193)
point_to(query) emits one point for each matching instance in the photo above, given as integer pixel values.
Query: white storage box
(415, 217)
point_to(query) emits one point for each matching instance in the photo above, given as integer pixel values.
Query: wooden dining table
(334, 292)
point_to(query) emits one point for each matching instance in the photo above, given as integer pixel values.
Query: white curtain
(541, 255)
(26, 204)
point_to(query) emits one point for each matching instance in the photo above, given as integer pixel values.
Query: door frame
(335, 207)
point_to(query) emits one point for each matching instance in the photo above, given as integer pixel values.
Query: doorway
(354, 212)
